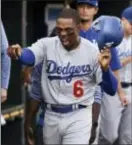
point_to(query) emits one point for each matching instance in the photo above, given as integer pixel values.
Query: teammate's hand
(93, 135)
(105, 58)
(124, 100)
(14, 51)
(3, 95)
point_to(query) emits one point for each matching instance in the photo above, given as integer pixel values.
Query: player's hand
(93, 135)
(29, 135)
(26, 75)
(3, 95)
(124, 100)
(105, 58)
(14, 51)
(122, 95)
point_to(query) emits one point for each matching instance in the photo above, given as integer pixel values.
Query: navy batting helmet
(110, 31)
(90, 2)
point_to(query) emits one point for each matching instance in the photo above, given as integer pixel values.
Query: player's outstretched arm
(25, 55)
(31, 55)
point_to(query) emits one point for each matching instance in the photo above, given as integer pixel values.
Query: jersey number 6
(78, 89)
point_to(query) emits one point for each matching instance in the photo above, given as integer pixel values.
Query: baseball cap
(90, 2)
(127, 13)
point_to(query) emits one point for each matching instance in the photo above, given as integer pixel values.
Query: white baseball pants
(69, 128)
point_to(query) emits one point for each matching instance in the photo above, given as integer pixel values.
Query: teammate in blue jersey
(87, 10)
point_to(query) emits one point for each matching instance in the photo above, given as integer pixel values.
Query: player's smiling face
(68, 32)
(86, 11)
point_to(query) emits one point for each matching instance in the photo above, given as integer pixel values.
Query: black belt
(126, 84)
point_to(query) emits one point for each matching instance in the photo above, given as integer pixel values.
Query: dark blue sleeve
(27, 57)
(115, 61)
(109, 83)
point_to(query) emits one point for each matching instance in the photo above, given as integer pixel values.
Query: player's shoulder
(89, 45)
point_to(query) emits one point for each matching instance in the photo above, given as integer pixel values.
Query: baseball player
(116, 119)
(5, 65)
(91, 35)
(69, 77)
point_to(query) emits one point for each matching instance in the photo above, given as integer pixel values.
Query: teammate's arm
(120, 90)
(32, 107)
(116, 65)
(5, 65)
(33, 104)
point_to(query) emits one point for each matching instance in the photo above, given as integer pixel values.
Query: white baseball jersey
(68, 77)
(124, 50)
